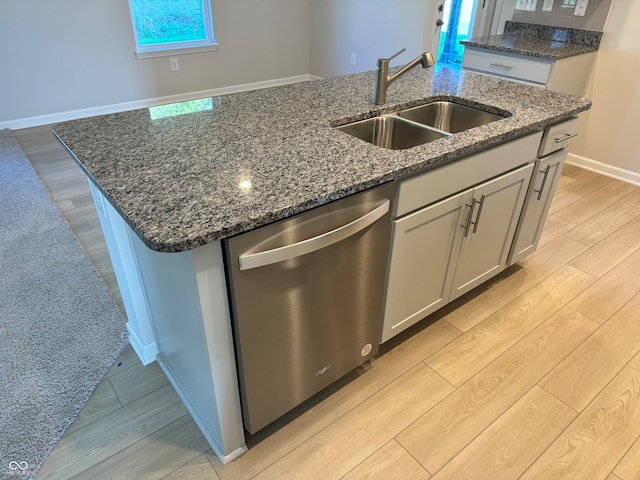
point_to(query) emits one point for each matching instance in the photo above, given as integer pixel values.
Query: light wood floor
(535, 375)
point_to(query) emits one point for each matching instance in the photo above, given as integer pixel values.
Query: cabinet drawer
(557, 137)
(506, 65)
(433, 185)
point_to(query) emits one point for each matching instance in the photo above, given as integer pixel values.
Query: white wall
(609, 139)
(64, 55)
(594, 18)
(63, 59)
(368, 28)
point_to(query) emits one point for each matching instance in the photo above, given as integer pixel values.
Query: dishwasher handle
(287, 252)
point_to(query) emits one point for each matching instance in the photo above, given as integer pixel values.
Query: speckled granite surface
(589, 38)
(258, 157)
(541, 41)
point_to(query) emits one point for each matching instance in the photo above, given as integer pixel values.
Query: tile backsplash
(562, 16)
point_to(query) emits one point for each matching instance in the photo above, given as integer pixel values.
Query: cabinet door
(546, 176)
(425, 246)
(492, 217)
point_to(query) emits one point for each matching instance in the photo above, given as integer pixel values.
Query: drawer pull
(501, 65)
(567, 136)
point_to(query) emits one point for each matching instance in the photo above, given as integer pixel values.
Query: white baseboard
(150, 102)
(604, 169)
(146, 353)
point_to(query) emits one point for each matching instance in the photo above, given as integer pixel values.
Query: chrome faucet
(383, 79)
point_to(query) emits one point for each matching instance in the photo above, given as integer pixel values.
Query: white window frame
(178, 48)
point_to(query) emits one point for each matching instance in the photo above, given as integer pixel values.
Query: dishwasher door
(307, 295)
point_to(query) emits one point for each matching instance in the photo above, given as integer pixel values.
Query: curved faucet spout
(383, 79)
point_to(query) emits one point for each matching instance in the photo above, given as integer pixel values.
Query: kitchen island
(169, 189)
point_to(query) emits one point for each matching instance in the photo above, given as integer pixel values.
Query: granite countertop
(253, 158)
(530, 46)
(542, 41)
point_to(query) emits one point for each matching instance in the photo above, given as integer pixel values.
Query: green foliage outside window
(180, 108)
(168, 21)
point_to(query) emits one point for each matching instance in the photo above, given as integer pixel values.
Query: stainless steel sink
(418, 125)
(449, 116)
(390, 131)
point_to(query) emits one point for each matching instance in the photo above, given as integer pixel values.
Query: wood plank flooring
(535, 375)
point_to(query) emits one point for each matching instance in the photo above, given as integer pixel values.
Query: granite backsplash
(557, 34)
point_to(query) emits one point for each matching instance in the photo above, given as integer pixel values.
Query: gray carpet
(60, 329)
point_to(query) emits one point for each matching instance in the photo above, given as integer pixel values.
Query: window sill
(172, 51)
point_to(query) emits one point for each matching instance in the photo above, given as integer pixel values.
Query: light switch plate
(581, 8)
(547, 6)
(526, 5)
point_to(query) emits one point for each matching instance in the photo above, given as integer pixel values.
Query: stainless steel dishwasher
(307, 296)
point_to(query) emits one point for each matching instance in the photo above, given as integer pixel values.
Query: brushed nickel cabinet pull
(501, 65)
(567, 136)
(545, 174)
(480, 205)
(467, 223)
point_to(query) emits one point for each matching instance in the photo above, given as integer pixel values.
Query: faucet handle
(394, 55)
(383, 63)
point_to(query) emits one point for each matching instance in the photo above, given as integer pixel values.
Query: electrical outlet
(581, 8)
(547, 6)
(353, 59)
(175, 66)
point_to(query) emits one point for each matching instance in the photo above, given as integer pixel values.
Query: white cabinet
(457, 226)
(546, 177)
(446, 249)
(423, 258)
(567, 75)
(489, 229)
(543, 185)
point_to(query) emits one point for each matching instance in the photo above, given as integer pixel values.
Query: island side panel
(178, 314)
(117, 238)
(187, 296)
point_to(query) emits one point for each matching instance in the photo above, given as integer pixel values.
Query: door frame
(483, 14)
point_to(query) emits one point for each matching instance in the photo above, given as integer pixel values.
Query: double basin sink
(418, 125)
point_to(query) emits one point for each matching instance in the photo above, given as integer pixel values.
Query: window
(163, 27)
